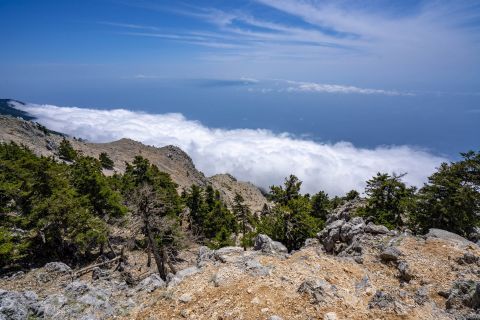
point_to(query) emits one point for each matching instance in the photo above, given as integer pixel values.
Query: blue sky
(372, 73)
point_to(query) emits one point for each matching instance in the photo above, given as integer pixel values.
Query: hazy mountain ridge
(18, 126)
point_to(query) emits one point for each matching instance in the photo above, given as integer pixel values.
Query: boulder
(376, 229)
(204, 256)
(255, 268)
(405, 271)
(174, 279)
(382, 300)
(448, 236)
(228, 254)
(464, 293)
(59, 267)
(266, 245)
(19, 305)
(390, 254)
(311, 242)
(421, 296)
(468, 258)
(320, 291)
(151, 283)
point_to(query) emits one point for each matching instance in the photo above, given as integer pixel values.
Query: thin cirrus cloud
(281, 85)
(260, 156)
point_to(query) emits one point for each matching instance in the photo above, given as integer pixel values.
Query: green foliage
(451, 198)
(320, 206)
(51, 210)
(243, 216)
(291, 220)
(105, 161)
(66, 151)
(141, 172)
(210, 219)
(389, 200)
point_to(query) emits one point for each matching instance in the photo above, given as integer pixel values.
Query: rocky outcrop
(320, 291)
(449, 236)
(344, 233)
(229, 186)
(266, 245)
(19, 305)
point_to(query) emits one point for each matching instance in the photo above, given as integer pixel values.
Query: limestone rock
(151, 283)
(57, 267)
(390, 254)
(264, 244)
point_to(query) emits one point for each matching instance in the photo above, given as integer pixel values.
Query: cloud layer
(259, 156)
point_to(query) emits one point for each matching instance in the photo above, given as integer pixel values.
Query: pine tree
(105, 161)
(242, 212)
(66, 151)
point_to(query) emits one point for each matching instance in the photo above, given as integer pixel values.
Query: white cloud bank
(259, 156)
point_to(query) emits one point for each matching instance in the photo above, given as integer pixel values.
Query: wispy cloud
(260, 156)
(295, 86)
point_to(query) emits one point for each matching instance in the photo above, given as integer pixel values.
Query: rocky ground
(354, 270)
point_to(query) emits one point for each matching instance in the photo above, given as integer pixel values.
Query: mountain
(17, 126)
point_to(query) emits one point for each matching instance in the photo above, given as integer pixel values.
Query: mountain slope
(169, 159)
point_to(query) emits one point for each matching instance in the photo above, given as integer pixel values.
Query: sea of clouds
(260, 156)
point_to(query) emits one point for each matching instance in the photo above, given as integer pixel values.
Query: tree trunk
(156, 253)
(149, 256)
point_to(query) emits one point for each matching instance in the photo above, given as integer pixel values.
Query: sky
(377, 76)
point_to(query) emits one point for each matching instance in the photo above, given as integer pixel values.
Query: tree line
(65, 209)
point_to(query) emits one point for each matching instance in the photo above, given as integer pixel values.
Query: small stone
(275, 318)
(330, 316)
(185, 298)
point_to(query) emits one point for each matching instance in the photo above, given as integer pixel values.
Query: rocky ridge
(169, 159)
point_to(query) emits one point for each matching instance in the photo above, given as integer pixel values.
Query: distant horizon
(372, 74)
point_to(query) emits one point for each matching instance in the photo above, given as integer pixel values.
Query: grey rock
(448, 236)
(405, 271)
(19, 305)
(390, 254)
(319, 290)
(376, 229)
(204, 256)
(275, 318)
(98, 273)
(57, 267)
(173, 280)
(382, 300)
(228, 254)
(255, 268)
(363, 284)
(311, 242)
(421, 296)
(467, 258)
(464, 293)
(151, 283)
(185, 298)
(53, 304)
(264, 244)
